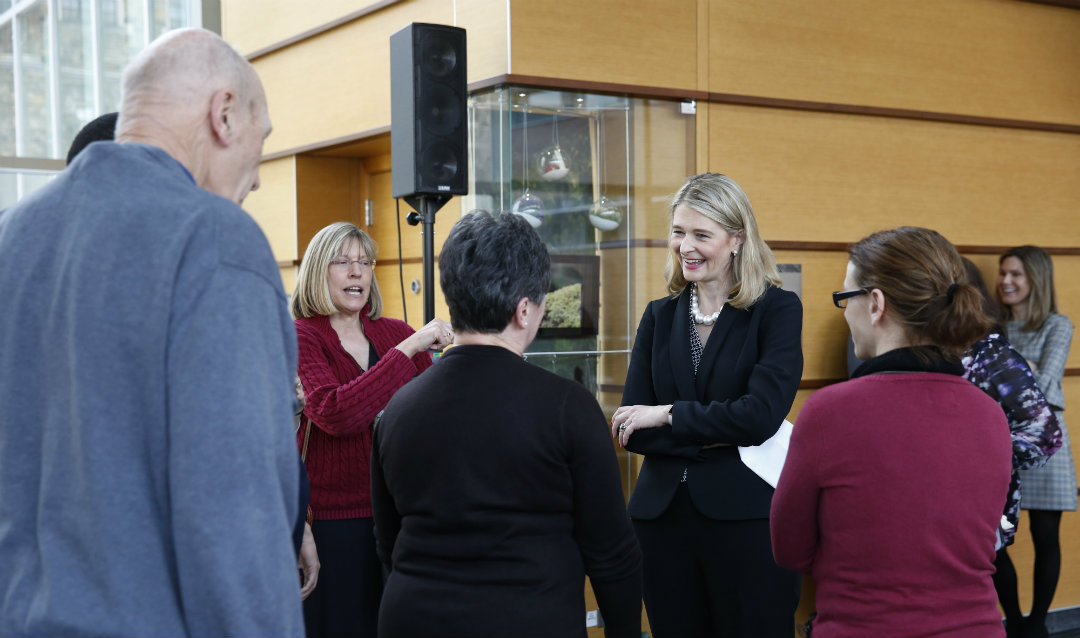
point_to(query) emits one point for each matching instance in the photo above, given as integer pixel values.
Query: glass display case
(593, 174)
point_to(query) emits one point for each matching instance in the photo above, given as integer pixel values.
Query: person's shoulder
(776, 296)
(1057, 321)
(310, 325)
(666, 303)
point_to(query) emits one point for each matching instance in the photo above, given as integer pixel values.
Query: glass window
(9, 188)
(168, 14)
(122, 35)
(36, 134)
(7, 91)
(75, 68)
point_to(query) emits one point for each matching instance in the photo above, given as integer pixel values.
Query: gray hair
(487, 265)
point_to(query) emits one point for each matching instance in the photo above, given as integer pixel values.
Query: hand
(630, 418)
(309, 563)
(436, 335)
(300, 395)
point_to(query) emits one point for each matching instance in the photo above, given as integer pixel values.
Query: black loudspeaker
(428, 131)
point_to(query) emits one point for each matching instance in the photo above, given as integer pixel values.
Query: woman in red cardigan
(351, 361)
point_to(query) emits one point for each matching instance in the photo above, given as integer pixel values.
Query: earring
(525, 324)
(735, 253)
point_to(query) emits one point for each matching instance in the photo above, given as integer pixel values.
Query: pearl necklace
(695, 312)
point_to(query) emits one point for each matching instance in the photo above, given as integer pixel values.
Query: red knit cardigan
(342, 402)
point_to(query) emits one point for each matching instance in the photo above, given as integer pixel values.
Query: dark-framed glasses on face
(342, 264)
(840, 297)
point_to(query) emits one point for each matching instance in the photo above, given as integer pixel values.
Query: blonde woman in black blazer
(701, 516)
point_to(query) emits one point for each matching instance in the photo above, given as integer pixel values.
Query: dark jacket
(749, 372)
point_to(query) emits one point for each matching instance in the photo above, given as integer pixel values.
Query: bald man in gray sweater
(148, 476)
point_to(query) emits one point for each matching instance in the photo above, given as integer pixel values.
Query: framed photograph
(573, 303)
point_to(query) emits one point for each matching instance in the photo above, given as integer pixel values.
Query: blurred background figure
(1000, 371)
(1025, 288)
(715, 365)
(895, 481)
(495, 485)
(352, 360)
(100, 129)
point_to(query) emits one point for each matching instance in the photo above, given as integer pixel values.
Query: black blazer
(746, 383)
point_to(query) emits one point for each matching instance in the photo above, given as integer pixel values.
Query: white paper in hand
(767, 459)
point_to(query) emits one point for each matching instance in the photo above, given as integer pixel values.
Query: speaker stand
(427, 206)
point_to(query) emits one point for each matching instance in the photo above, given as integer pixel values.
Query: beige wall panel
(829, 177)
(384, 232)
(274, 206)
(825, 333)
(338, 83)
(485, 23)
(329, 190)
(253, 24)
(390, 287)
(1067, 283)
(625, 41)
(288, 278)
(992, 58)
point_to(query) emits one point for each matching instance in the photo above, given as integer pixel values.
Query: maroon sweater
(891, 497)
(342, 401)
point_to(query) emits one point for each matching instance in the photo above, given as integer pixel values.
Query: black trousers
(705, 577)
(346, 599)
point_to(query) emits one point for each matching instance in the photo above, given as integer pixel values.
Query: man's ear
(222, 116)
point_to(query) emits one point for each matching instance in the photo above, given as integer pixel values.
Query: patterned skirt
(1052, 486)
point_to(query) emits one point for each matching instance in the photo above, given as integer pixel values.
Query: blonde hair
(312, 294)
(720, 199)
(1041, 301)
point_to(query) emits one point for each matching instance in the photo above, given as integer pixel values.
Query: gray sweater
(148, 480)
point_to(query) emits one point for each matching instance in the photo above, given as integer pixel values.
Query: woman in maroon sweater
(351, 361)
(895, 481)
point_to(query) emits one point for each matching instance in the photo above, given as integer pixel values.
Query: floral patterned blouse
(999, 370)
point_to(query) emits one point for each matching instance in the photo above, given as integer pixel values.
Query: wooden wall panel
(992, 58)
(830, 177)
(338, 83)
(622, 41)
(329, 189)
(485, 24)
(253, 24)
(824, 332)
(384, 232)
(274, 206)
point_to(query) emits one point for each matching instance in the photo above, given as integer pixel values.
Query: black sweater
(496, 490)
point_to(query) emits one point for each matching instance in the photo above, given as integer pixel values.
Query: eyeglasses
(342, 264)
(840, 297)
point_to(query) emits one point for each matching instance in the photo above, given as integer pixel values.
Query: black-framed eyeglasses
(840, 297)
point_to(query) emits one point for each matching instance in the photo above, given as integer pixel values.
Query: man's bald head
(181, 68)
(193, 95)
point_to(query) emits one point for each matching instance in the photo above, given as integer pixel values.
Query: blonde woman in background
(351, 361)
